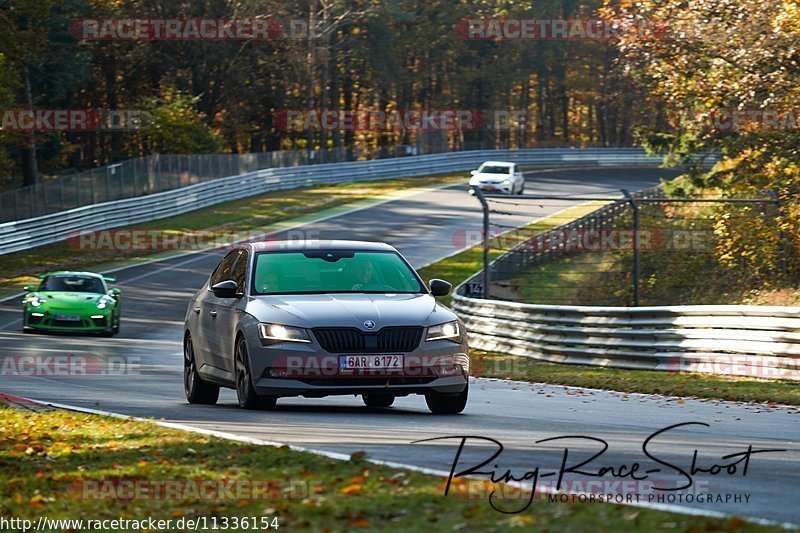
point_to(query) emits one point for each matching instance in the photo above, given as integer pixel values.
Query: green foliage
(172, 125)
(718, 58)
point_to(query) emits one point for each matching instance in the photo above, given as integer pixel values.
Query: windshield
(492, 169)
(72, 284)
(336, 271)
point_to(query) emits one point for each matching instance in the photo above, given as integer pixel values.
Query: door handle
(197, 310)
(213, 314)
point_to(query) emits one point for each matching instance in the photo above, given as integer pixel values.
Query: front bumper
(298, 369)
(494, 187)
(396, 386)
(50, 321)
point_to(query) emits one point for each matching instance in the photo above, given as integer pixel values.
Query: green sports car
(72, 301)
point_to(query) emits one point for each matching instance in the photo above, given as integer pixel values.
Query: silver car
(322, 318)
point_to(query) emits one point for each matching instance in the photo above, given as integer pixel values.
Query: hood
(70, 299)
(349, 310)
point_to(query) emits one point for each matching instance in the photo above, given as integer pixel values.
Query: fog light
(448, 370)
(37, 314)
(98, 316)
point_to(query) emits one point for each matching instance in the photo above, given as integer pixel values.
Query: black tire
(245, 392)
(377, 400)
(197, 391)
(447, 404)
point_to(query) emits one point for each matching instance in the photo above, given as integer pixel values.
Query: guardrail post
(635, 209)
(485, 205)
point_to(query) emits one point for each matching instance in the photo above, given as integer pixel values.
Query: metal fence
(634, 249)
(158, 173)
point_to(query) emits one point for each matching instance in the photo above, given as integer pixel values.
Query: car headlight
(279, 333)
(507, 182)
(35, 301)
(448, 330)
(102, 303)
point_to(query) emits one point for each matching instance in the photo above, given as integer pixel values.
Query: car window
(239, 272)
(333, 272)
(225, 268)
(493, 169)
(72, 284)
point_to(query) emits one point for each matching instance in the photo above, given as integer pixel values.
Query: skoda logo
(369, 324)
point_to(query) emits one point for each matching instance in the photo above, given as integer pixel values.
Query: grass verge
(460, 267)
(686, 384)
(238, 216)
(66, 465)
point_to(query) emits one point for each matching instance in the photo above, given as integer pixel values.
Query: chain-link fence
(635, 249)
(157, 173)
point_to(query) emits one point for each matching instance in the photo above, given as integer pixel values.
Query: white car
(498, 176)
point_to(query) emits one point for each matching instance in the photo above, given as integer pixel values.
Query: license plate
(489, 188)
(368, 362)
(69, 318)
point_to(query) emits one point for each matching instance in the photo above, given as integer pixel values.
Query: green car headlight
(448, 330)
(102, 303)
(279, 333)
(35, 301)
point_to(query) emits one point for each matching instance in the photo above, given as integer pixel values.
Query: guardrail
(47, 229)
(738, 340)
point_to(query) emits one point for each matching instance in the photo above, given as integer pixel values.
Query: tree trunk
(30, 169)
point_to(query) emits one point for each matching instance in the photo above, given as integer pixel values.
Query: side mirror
(110, 279)
(29, 288)
(114, 292)
(440, 287)
(225, 289)
(473, 172)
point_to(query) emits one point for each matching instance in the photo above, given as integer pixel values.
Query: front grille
(99, 322)
(351, 340)
(67, 323)
(365, 381)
